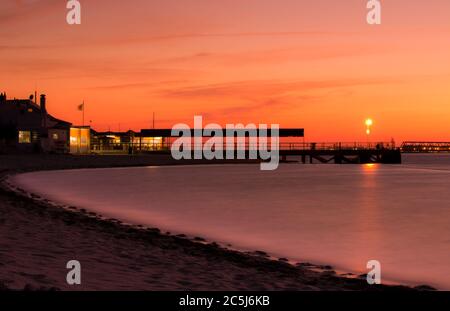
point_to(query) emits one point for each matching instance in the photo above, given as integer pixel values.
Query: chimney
(43, 115)
(43, 106)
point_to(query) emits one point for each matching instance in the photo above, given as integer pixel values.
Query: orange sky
(312, 64)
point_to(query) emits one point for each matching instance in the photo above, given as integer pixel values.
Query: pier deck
(337, 153)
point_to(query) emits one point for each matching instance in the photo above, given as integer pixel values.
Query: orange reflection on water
(369, 240)
(370, 166)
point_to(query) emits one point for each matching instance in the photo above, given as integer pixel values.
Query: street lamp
(369, 123)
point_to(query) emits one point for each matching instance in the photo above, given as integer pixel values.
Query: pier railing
(354, 152)
(331, 146)
(283, 146)
(425, 147)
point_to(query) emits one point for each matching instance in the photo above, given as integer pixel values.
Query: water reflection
(369, 237)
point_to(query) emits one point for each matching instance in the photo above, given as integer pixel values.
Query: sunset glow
(224, 154)
(236, 61)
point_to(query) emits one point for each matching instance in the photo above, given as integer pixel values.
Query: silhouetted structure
(160, 141)
(425, 147)
(343, 153)
(26, 126)
(153, 140)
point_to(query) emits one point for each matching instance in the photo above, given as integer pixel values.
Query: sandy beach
(38, 239)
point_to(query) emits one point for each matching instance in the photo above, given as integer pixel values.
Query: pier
(425, 147)
(292, 147)
(343, 153)
(306, 153)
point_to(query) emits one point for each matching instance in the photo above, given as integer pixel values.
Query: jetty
(425, 147)
(342, 153)
(159, 141)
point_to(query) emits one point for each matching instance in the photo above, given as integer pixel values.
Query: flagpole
(79, 130)
(83, 111)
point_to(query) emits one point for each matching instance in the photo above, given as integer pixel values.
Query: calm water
(342, 215)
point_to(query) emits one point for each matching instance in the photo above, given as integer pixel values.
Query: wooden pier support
(350, 156)
(337, 153)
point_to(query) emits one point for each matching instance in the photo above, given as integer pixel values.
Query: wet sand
(37, 239)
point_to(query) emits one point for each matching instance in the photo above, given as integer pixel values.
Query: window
(55, 136)
(24, 137)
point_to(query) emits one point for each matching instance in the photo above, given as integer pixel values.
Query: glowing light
(24, 137)
(370, 168)
(79, 140)
(150, 143)
(369, 123)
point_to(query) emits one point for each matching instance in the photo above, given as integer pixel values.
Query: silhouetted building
(113, 142)
(26, 126)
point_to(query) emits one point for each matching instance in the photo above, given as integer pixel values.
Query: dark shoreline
(125, 257)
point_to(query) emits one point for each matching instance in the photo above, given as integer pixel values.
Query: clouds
(265, 88)
(227, 59)
(261, 98)
(11, 48)
(18, 10)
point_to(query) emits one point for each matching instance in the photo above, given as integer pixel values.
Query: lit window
(153, 143)
(24, 137)
(79, 140)
(55, 136)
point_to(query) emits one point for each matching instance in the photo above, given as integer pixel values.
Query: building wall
(57, 141)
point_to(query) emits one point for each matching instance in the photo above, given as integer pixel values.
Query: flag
(81, 107)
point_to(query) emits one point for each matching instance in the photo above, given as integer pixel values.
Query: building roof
(288, 132)
(110, 133)
(12, 109)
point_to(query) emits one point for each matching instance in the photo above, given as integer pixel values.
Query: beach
(37, 239)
